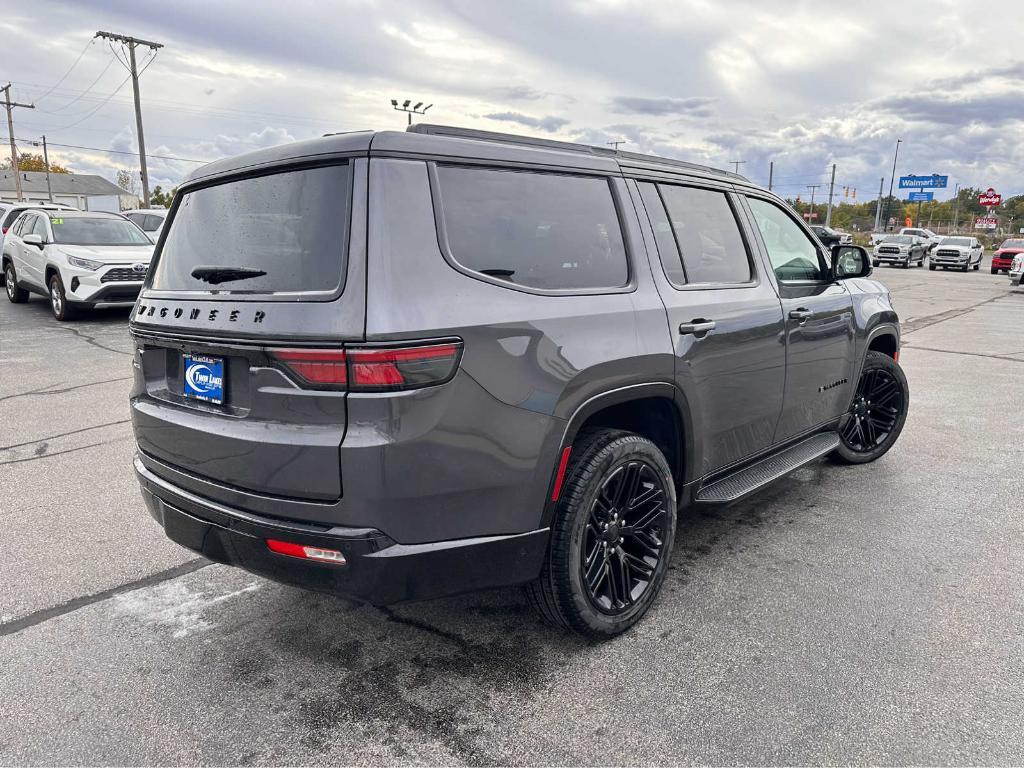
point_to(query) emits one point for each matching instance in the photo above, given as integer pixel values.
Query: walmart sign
(935, 181)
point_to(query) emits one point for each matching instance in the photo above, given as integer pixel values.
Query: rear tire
(611, 536)
(877, 414)
(59, 301)
(977, 267)
(15, 294)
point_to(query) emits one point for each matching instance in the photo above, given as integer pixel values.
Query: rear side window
(281, 233)
(11, 216)
(539, 230)
(707, 234)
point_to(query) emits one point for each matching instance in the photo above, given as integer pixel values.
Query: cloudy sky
(803, 84)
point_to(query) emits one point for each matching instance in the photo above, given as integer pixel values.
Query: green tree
(160, 198)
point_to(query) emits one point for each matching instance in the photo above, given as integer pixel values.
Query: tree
(161, 198)
(128, 181)
(27, 161)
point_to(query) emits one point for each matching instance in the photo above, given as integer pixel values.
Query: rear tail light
(306, 553)
(372, 369)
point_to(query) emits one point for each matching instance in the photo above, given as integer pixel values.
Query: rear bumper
(378, 570)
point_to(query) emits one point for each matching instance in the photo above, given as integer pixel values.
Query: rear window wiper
(215, 274)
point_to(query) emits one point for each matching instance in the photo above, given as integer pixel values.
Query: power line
(65, 75)
(116, 151)
(110, 63)
(92, 112)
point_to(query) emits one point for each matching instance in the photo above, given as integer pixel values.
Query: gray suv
(395, 366)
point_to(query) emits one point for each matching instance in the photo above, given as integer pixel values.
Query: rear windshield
(79, 230)
(282, 233)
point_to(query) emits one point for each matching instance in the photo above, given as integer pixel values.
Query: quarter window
(792, 253)
(538, 230)
(668, 251)
(707, 235)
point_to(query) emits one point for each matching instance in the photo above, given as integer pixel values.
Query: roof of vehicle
(83, 214)
(454, 142)
(30, 204)
(155, 211)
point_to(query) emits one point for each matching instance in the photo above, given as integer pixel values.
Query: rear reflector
(372, 369)
(306, 553)
(560, 477)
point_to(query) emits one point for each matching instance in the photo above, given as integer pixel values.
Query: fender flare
(618, 396)
(882, 329)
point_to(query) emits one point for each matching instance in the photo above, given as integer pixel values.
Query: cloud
(550, 123)
(695, 106)
(956, 109)
(518, 93)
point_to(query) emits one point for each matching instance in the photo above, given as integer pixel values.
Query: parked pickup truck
(930, 238)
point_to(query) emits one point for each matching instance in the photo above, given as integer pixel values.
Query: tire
(15, 294)
(59, 305)
(995, 271)
(932, 267)
(883, 387)
(977, 267)
(587, 525)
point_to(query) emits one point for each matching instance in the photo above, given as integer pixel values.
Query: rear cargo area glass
(292, 225)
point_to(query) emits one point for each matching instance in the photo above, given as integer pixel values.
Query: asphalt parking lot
(846, 615)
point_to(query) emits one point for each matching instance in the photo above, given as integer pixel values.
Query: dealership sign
(986, 222)
(935, 181)
(920, 197)
(990, 198)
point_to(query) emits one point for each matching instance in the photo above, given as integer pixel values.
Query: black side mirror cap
(850, 261)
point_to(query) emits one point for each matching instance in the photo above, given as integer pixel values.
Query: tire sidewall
(65, 311)
(578, 507)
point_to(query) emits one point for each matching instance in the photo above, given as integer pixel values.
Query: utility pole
(410, 111)
(956, 207)
(812, 187)
(10, 132)
(831, 189)
(131, 43)
(736, 164)
(771, 174)
(892, 178)
(46, 162)
(878, 205)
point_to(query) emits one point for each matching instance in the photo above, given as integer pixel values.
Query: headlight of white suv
(89, 264)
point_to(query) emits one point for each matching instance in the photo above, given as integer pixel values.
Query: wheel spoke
(645, 569)
(622, 571)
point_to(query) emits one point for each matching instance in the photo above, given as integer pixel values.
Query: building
(83, 191)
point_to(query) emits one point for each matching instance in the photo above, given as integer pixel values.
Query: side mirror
(33, 239)
(850, 261)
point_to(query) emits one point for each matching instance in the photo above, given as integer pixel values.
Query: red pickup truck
(1003, 257)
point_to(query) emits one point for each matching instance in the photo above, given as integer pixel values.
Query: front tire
(932, 267)
(15, 294)
(611, 536)
(59, 301)
(877, 414)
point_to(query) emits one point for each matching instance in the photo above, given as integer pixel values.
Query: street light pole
(417, 109)
(892, 178)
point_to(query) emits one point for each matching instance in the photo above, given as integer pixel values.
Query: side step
(768, 469)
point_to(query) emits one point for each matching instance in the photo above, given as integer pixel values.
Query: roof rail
(457, 132)
(511, 138)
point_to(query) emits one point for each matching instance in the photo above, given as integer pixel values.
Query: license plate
(204, 378)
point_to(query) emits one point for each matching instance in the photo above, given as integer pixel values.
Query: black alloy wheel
(624, 540)
(611, 535)
(877, 413)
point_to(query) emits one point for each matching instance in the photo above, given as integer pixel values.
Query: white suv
(78, 259)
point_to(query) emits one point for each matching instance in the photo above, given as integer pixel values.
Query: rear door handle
(801, 314)
(697, 326)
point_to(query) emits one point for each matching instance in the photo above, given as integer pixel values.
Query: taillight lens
(372, 369)
(315, 367)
